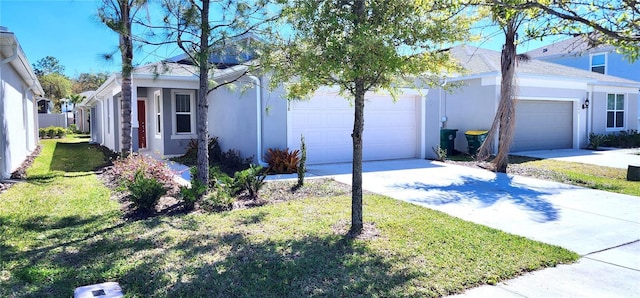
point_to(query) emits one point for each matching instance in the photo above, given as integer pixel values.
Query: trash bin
(447, 138)
(475, 139)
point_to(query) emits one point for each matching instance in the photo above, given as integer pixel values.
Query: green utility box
(475, 138)
(447, 138)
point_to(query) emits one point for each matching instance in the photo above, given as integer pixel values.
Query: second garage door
(543, 125)
(326, 121)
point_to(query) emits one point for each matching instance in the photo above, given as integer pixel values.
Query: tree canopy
(365, 45)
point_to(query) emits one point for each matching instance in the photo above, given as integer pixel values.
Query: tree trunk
(202, 112)
(356, 183)
(504, 121)
(126, 51)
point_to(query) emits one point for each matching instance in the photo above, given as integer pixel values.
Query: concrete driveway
(616, 158)
(602, 227)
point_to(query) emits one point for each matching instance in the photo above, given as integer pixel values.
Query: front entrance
(142, 127)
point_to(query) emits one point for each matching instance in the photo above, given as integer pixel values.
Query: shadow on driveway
(487, 193)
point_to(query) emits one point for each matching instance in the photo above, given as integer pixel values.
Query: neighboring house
(19, 90)
(551, 111)
(81, 114)
(577, 52)
(248, 117)
(45, 105)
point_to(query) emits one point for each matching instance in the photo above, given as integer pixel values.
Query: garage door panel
(543, 125)
(327, 123)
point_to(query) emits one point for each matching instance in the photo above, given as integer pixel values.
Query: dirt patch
(515, 168)
(21, 172)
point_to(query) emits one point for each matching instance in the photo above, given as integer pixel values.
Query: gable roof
(576, 46)
(478, 61)
(224, 55)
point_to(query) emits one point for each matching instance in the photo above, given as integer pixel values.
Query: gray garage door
(542, 125)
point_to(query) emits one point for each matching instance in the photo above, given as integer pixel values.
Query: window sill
(183, 136)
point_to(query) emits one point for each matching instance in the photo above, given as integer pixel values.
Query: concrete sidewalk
(616, 158)
(602, 227)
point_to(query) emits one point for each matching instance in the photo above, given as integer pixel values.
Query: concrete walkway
(616, 158)
(604, 228)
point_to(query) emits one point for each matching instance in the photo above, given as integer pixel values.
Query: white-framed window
(157, 102)
(599, 63)
(615, 111)
(183, 104)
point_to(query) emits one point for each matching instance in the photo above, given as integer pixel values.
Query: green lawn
(60, 230)
(585, 175)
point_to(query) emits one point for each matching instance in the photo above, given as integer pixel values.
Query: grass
(585, 175)
(64, 231)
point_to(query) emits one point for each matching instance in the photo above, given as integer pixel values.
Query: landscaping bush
(126, 169)
(282, 161)
(231, 161)
(623, 139)
(145, 192)
(72, 128)
(219, 198)
(190, 195)
(596, 140)
(52, 132)
(251, 180)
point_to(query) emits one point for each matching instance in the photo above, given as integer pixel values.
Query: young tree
(118, 15)
(365, 45)
(213, 27)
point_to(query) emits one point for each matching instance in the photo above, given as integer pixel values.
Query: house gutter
(256, 81)
(14, 49)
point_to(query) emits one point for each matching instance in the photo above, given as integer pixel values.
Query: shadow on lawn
(233, 264)
(489, 192)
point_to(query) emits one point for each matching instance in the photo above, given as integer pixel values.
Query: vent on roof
(545, 50)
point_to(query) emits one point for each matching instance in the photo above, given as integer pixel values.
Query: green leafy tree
(205, 28)
(118, 15)
(365, 45)
(89, 81)
(48, 65)
(56, 87)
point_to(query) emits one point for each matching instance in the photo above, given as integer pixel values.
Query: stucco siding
(172, 145)
(274, 118)
(19, 130)
(599, 112)
(233, 115)
(470, 107)
(616, 64)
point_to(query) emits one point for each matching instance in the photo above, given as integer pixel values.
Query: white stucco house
(19, 89)
(249, 117)
(557, 106)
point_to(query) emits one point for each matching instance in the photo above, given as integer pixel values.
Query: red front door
(142, 127)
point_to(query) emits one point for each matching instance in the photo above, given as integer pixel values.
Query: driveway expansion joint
(610, 248)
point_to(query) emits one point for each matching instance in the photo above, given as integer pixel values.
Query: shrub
(441, 153)
(623, 139)
(231, 161)
(302, 167)
(596, 140)
(126, 169)
(72, 128)
(219, 198)
(282, 161)
(60, 132)
(51, 132)
(42, 132)
(145, 192)
(251, 180)
(190, 195)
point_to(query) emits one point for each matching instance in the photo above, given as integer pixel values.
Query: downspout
(443, 119)
(102, 136)
(256, 83)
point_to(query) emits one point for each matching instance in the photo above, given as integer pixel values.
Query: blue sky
(69, 31)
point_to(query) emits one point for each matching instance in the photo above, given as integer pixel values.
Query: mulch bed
(21, 172)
